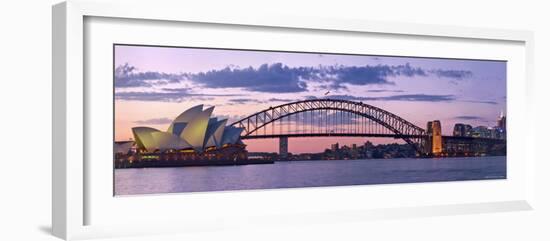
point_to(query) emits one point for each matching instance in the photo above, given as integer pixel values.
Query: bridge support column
(283, 147)
(434, 141)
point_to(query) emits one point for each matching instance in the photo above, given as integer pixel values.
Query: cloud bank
(280, 78)
(166, 95)
(128, 76)
(468, 117)
(155, 121)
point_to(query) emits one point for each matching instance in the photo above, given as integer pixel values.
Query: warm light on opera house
(193, 136)
(192, 129)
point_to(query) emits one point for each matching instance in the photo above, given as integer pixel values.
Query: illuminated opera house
(193, 136)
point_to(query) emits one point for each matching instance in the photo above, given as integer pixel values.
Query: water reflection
(306, 174)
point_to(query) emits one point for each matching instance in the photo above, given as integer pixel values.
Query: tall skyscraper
(459, 129)
(501, 122)
(462, 130)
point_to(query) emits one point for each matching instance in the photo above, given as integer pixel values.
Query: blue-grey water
(306, 174)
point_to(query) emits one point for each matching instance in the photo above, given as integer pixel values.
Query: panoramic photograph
(190, 119)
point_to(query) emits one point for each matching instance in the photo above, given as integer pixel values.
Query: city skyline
(154, 84)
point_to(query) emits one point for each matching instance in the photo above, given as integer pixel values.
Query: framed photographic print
(301, 119)
(280, 118)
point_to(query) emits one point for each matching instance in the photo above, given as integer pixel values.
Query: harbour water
(306, 174)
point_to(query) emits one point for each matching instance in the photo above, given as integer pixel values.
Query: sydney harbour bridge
(344, 118)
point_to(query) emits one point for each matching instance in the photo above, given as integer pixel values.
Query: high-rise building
(459, 129)
(481, 132)
(467, 130)
(462, 130)
(501, 122)
(335, 147)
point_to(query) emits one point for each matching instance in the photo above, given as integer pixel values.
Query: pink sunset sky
(155, 84)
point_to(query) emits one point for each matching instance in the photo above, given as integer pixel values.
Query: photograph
(197, 119)
(275, 120)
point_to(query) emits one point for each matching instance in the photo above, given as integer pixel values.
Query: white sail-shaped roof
(231, 135)
(212, 125)
(144, 138)
(177, 128)
(185, 117)
(192, 129)
(167, 141)
(195, 130)
(214, 133)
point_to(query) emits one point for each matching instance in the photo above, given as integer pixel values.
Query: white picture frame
(71, 187)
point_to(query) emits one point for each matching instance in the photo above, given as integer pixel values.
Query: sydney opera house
(194, 137)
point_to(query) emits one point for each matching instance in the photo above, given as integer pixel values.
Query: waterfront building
(501, 121)
(459, 129)
(501, 126)
(463, 130)
(194, 129)
(192, 136)
(468, 130)
(368, 145)
(483, 132)
(123, 147)
(335, 147)
(500, 133)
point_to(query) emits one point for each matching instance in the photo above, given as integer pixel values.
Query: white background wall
(25, 93)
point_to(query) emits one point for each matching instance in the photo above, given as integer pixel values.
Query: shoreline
(188, 163)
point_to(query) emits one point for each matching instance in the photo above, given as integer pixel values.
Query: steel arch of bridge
(400, 127)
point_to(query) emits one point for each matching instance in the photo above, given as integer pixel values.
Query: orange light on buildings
(437, 140)
(434, 143)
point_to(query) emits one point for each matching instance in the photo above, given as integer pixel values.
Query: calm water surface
(306, 174)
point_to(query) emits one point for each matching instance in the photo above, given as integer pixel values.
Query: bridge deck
(329, 135)
(457, 138)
